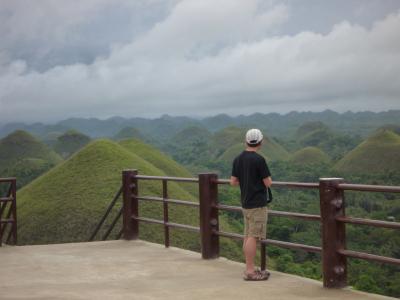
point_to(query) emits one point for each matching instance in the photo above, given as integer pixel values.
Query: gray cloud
(201, 57)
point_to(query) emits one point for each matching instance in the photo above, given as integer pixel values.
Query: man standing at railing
(250, 171)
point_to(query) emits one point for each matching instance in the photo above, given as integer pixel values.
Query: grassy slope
(160, 160)
(309, 155)
(156, 157)
(379, 153)
(65, 204)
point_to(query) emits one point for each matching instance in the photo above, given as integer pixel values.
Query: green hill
(391, 127)
(309, 155)
(334, 144)
(65, 204)
(129, 133)
(70, 142)
(226, 138)
(316, 137)
(379, 153)
(156, 157)
(189, 146)
(50, 139)
(25, 157)
(310, 127)
(159, 160)
(271, 150)
(20, 145)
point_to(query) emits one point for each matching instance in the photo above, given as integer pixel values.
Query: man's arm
(234, 181)
(267, 181)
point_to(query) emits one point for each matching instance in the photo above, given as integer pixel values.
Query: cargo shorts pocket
(259, 227)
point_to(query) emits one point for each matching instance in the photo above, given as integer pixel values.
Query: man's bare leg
(250, 249)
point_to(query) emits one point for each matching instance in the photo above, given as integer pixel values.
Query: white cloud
(211, 56)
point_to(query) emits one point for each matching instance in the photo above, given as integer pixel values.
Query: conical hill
(379, 153)
(129, 133)
(21, 145)
(66, 203)
(225, 138)
(310, 155)
(70, 142)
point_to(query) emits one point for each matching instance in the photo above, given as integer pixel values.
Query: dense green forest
(57, 164)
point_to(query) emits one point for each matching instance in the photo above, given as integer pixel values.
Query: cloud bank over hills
(147, 58)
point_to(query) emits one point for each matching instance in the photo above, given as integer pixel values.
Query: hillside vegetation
(70, 142)
(310, 155)
(310, 127)
(25, 157)
(159, 160)
(20, 145)
(379, 153)
(129, 133)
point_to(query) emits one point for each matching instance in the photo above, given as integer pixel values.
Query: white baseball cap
(253, 136)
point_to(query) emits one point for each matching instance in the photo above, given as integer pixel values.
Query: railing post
(165, 208)
(334, 265)
(2, 205)
(208, 194)
(130, 204)
(14, 211)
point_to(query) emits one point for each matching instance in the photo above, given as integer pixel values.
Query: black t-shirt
(251, 168)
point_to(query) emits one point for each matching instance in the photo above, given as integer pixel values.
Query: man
(251, 173)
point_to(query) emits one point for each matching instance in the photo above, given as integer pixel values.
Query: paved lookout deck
(141, 270)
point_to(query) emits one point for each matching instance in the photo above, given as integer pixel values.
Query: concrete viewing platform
(142, 270)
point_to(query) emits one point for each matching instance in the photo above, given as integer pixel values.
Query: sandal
(256, 276)
(265, 272)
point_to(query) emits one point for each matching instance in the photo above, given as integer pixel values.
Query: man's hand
(267, 181)
(234, 181)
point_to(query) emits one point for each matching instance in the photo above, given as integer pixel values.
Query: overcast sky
(103, 58)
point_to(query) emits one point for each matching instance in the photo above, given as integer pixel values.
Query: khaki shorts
(255, 222)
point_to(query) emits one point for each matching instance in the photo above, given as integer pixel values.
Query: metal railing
(8, 212)
(332, 219)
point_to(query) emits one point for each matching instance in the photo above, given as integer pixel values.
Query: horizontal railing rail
(368, 188)
(282, 184)
(177, 179)
(332, 219)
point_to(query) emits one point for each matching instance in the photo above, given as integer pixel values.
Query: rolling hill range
(309, 155)
(379, 153)
(165, 127)
(65, 204)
